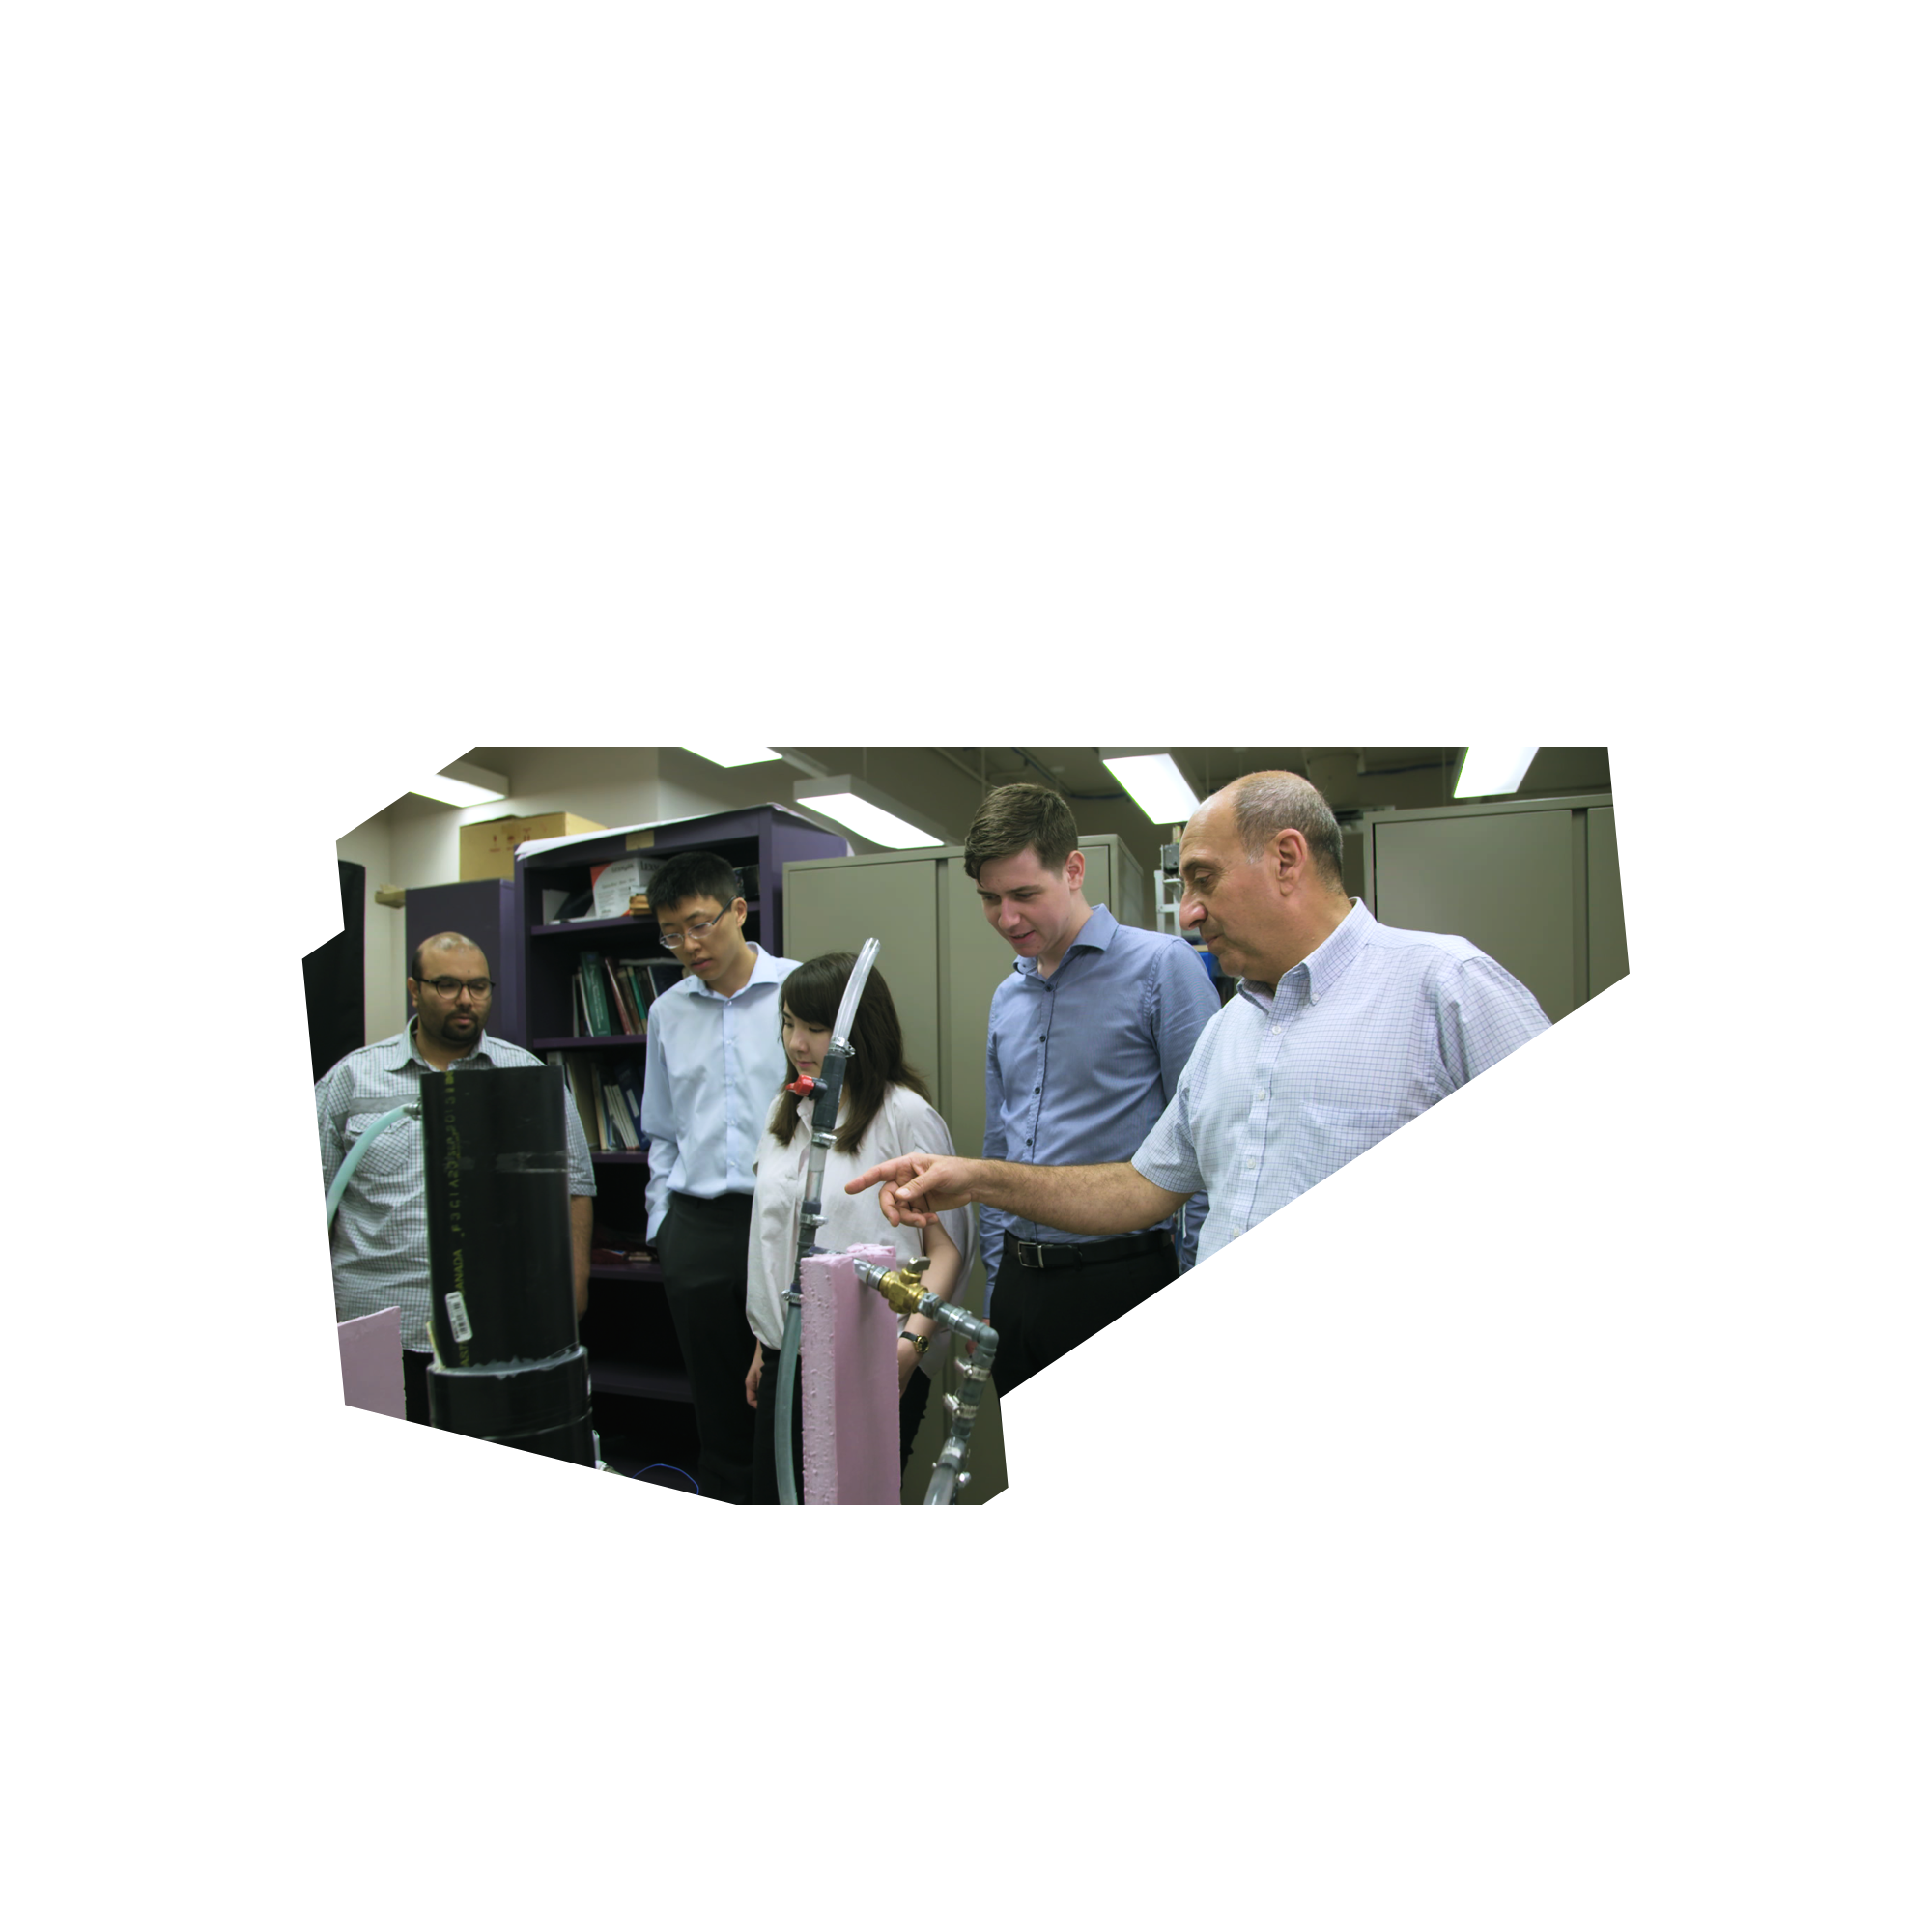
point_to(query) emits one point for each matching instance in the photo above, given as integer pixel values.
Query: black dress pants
(701, 1248)
(1040, 1314)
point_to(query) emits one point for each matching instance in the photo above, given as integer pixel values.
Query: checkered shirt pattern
(379, 1245)
(1373, 1028)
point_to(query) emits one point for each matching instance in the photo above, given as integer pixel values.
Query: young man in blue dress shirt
(1086, 1041)
(713, 1066)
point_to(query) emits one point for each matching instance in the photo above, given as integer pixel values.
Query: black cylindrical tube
(497, 1178)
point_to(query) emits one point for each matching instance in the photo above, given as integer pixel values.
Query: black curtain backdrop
(332, 977)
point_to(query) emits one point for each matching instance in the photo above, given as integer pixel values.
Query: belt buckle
(1035, 1262)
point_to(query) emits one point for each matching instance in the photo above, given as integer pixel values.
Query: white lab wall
(368, 846)
(414, 841)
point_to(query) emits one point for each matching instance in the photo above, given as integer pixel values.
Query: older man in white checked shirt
(1342, 1030)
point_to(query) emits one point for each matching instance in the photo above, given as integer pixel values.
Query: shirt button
(1251, 1160)
(1274, 1029)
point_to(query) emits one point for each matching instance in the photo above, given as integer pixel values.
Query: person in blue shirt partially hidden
(712, 1060)
(1084, 1045)
(1342, 1030)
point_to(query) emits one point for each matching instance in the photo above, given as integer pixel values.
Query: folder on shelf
(589, 972)
(618, 998)
(633, 1090)
(576, 1073)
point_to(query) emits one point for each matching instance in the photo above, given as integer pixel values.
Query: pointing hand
(916, 1188)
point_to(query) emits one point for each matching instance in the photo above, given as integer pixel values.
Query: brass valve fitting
(901, 1287)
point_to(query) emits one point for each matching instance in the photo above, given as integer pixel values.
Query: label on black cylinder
(459, 1316)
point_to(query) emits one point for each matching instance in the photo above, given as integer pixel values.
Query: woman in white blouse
(884, 1111)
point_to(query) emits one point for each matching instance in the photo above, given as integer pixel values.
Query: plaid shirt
(379, 1245)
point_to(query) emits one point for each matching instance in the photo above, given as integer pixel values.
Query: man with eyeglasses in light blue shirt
(713, 1065)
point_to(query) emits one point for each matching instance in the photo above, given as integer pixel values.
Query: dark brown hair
(811, 994)
(1018, 816)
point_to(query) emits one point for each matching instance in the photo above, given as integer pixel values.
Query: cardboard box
(615, 885)
(487, 849)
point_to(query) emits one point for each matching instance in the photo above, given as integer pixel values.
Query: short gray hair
(1267, 804)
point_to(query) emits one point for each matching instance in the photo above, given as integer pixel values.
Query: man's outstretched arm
(1112, 1199)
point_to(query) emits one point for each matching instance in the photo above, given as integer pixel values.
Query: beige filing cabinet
(1533, 882)
(942, 962)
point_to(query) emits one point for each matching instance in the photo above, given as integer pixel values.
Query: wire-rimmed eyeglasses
(672, 942)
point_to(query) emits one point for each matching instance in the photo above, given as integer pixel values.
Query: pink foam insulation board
(372, 1361)
(849, 1381)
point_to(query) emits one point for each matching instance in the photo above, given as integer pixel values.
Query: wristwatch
(919, 1342)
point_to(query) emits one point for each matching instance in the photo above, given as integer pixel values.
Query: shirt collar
(1097, 933)
(765, 972)
(1323, 968)
(405, 1055)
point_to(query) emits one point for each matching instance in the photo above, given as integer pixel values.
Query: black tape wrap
(831, 1084)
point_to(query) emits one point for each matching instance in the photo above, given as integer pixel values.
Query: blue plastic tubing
(356, 1153)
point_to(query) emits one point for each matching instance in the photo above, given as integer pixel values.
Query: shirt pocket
(1343, 1133)
(392, 1153)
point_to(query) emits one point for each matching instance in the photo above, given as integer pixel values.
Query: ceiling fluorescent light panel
(464, 783)
(730, 754)
(1155, 784)
(870, 821)
(872, 813)
(1489, 770)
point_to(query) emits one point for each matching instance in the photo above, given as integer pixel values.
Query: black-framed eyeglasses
(448, 989)
(696, 929)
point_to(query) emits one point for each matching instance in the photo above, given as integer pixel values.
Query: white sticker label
(459, 1316)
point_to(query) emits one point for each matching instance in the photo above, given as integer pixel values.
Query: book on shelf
(604, 1002)
(638, 978)
(608, 1099)
(619, 1111)
(665, 974)
(610, 1010)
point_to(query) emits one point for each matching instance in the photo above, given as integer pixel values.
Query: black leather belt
(1087, 1254)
